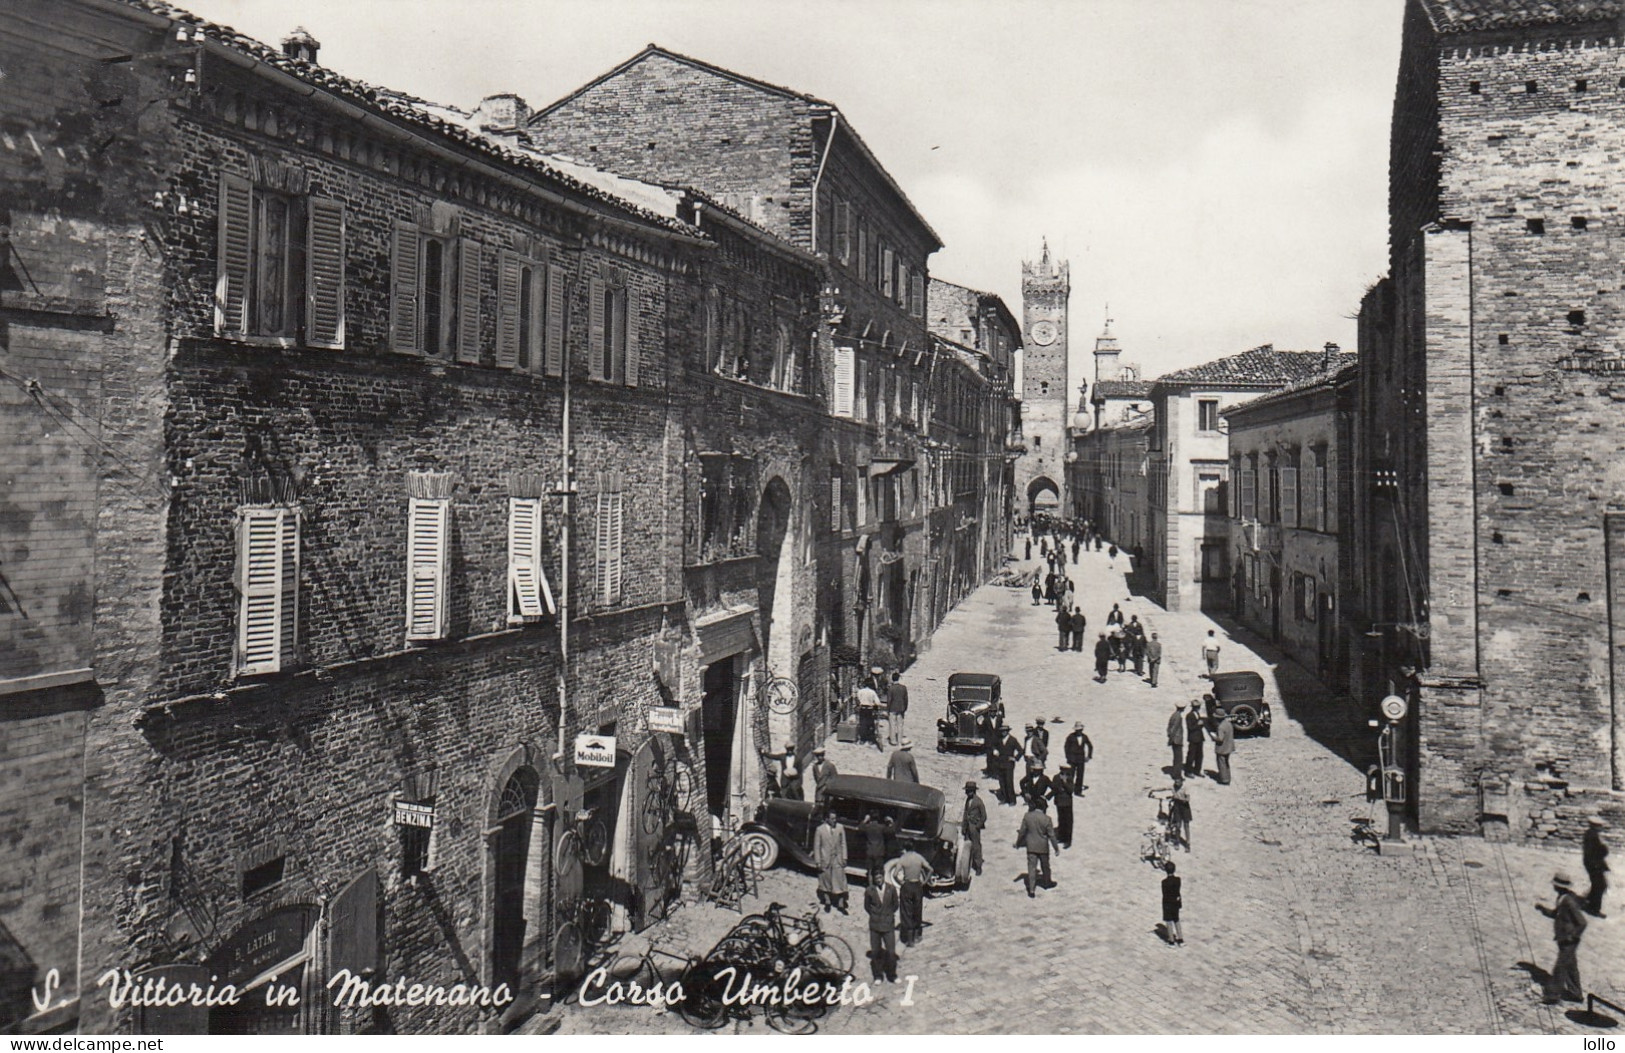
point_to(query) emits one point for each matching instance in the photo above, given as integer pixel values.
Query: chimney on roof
(504, 114)
(1329, 355)
(301, 45)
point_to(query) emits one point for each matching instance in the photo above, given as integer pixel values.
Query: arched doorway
(1043, 496)
(510, 854)
(775, 569)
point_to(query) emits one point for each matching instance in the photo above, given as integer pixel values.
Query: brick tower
(1045, 393)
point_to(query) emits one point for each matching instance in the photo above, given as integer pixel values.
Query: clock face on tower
(1044, 333)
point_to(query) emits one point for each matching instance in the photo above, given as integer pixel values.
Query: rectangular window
(1249, 494)
(842, 400)
(835, 498)
(843, 233)
(280, 265)
(888, 272)
(1208, 492)
(863, 500)
(428, 532)
(612, 347)
(1309, 498)
(268, 589)
(529, 301)
(1308, 601)
(1207, 414)
(435, 303)
(1289, 497)
(530, 597)
(610, 537)
(863, 250)
(1323, 500)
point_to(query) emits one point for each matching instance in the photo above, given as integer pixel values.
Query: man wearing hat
(1595, 855)
(1079, 752)
(822, 769)
(1037, 742)
(901, 766)
(1006, 756)
(1035, 785)
(973, 822)
(868, 712)
(1224, 744)
(1568, 924)
(1061, 794)
(1195, 738)
(1176, 737)
(829, 852)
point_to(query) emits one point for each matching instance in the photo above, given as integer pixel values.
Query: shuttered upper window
(435, 301)
(843, 398)
(280, 271)
(612, 333)
(268, 589)
(530, 597)
(428, 532)
(530, 315)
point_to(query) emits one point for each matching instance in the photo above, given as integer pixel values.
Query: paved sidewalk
(1290, 925)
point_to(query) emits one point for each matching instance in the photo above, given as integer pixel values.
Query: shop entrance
(718, 714)
(511, 849)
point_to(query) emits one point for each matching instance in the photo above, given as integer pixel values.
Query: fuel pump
(1391, 757)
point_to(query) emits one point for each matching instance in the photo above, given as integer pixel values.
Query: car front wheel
(761, 850)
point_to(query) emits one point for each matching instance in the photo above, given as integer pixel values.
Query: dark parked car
(973, 699)
(785, 827)
(1242, 696)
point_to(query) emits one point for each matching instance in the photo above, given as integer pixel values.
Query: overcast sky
(1215, 170)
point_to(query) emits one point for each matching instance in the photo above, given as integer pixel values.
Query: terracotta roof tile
(1262, 365)
(1467, 16)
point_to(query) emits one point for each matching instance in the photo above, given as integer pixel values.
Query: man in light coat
(829, 852)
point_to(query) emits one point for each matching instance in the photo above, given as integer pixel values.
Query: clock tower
(1046, 403)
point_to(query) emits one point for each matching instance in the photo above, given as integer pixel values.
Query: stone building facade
(1290, 454)
(1109, 480)
(1046, 399)
(1187, 554)
(1488, 510)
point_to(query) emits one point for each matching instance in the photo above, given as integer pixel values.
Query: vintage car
(1242, 696)
(973, 698)
(784, 828)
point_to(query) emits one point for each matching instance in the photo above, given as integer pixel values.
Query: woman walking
(1171, 902)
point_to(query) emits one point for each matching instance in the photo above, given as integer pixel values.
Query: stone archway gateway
(1036, 492)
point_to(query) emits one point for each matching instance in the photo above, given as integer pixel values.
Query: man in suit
(1195, 739)
(1594, 854)
(880, 903)
(1079, 752)
(1061, 794)
(1568, 925)
(896, 709)
(1063, 626)
(1176, 737)
(877, 833)
(1009, 753)
(1036, 835)
(1224, 744)
(823, 769)
(1035, 785)
(911, 874)
(829, 852)
(1078, 624)
(1153, 657)
(973, 822)
(901, 766)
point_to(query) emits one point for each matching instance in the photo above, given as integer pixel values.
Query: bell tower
(1045, 391)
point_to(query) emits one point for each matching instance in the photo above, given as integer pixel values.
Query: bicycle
(1157, 843)
(770, 938)
(695, 992)
(668, 791)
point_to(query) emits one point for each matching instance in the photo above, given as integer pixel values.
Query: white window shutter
(428, 523)
(1308, 513)
(508, 320)
(324, 279)
(617, 536)
(601, 540)
(403, 306)
(835, 501)
(845, 358)
(630, 337)
(1289, 497)
(529, 595)
(1323, 506)
(261, 580)
(555, 322)
(289, 621)
(595, 329)
(236, 248)
(468, 300)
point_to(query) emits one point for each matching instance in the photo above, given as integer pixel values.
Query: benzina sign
(595, 751)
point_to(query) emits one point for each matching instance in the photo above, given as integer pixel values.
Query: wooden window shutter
(617, 539)
(595, 329)
(261, 579)
(835, 499)
(843, 232)
(324, 281)
(888, 267)
(468, 300)
(289, 642)
(600, 559)
(554, 336)
(529, 595)
(403, 306)
(236, 249)
(917, 303)
(1309, 513)
(428, 523)
(1289, 497)
(508, 320)
(1323, 505)
(630, 337)
(845, 359)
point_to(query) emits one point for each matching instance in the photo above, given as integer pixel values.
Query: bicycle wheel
(593, 919)
(828, 955)
(633, 968)
(655, 809)
(798, 1019)
(702, 1005)
(682, 781)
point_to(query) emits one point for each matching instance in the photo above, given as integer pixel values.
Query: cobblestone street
(1290, 924)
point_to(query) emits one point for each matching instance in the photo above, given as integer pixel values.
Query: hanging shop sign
(410, 814)
(666, 718)
(595, 751)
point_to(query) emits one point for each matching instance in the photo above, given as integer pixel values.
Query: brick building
(793, 165)
(1046, 400)
(1187, 527)
(1290, 454)
(1488, 515)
